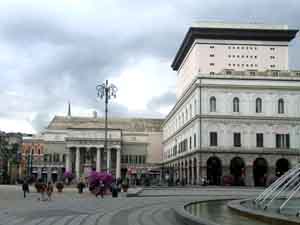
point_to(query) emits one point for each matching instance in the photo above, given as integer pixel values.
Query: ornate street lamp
(106, 91)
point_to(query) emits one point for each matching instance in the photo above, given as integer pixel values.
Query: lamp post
(106, 91)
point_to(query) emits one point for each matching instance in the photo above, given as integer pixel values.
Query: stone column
(193, 175)
(77, 163)
(68, 161)
(118, 166)
(188, 172)
(179, 172)
(198, 180)
(98, 160)
(108, 160)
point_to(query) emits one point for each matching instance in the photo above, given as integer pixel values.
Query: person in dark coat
(25, 188)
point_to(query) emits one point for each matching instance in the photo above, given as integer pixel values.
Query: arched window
(212, 104)
(195, 107)
(191, 111)
(258, 105)
(280, 106)
(236, 105)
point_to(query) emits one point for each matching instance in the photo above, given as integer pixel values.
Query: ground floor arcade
(235, 168)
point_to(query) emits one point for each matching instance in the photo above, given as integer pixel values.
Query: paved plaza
(152, 206)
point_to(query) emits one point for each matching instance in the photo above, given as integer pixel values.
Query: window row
(282, 140)
(183, 146)
(243, 56)
(236, 105)
(55, 157)
(133, 159)
(242, 65)
(242, 47)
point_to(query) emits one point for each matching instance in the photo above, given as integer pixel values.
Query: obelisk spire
(69, 109)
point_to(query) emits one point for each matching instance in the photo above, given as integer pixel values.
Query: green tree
(8, 155)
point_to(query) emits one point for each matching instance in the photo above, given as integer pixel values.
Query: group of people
(44, 189)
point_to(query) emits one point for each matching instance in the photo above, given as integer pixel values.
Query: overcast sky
(56, 51)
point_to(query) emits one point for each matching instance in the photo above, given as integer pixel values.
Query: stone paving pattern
(153, 207)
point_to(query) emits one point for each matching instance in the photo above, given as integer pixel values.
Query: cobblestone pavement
(153, 207)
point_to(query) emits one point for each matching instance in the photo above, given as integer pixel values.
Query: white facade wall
(247, 121)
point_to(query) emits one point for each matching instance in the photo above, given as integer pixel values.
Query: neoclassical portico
(81, 159)
(85, 151)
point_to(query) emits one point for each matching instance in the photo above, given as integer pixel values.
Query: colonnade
(75, 149)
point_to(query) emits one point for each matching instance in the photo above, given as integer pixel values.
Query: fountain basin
(246, 207)
(229, 212)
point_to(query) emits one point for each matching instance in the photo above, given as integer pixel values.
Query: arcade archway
(214, 170)
(260, 170)
(282, 165)
(237, 170)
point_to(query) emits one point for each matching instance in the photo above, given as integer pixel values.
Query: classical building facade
(237, 114)
(76, 144)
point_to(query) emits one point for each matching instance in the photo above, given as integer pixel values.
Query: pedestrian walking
(43, 190)
(49, 190)
(25, 188)
(101, 189)
(114, 190)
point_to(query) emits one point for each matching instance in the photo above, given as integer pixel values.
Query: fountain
(277, 204)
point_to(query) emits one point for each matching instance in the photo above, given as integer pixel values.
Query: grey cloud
(167, 99)
(61, 56)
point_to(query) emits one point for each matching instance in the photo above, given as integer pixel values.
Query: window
(259, 140)
(211, 64)
(64, 158)
(212, 55)
(236, 107)
(272, 57)
(282, 141)
(213, 138)
(258, 105)
(237, 139)
(252, 73)
(212, 73)
(280, 106)
(195, 141)
(191, 111)
(140, 159)
(211, 46)
(212, 104)
(272, 49)
(190, 142)
(186, 114)
(228, 72)
(143, 159)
